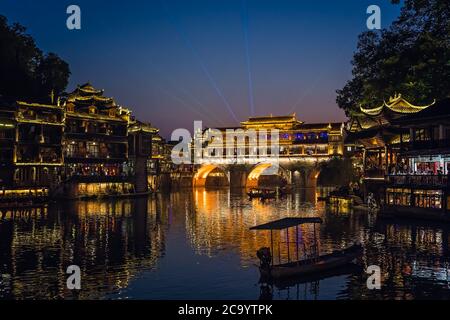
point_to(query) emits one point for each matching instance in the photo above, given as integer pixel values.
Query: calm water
(197, 245)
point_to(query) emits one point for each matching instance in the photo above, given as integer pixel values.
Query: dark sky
(173, 62)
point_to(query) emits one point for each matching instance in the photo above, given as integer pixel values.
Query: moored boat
(319, 264)
(313, 264)
(262, 193)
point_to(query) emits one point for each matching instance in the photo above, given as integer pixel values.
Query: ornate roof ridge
(89, 88)
(273, 118)
(395, 105)
(36, 104)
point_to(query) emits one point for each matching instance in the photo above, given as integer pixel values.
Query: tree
(336, 172)
(25, 72)
(411, 57)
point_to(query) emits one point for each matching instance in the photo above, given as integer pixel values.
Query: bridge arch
(257, 171)
(305, 177)
(201, 176)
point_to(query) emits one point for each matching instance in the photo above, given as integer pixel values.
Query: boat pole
(316, 247)
(287, 243)
(296, 241)
(271, 247)
(279, 251)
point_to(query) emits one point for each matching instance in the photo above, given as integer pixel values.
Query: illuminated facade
(420, 184)
(95, 145)
(96, 134)
(76, 147)
(296, 138)
(140, 154)
(31, 137)
(373, 134)
(298, 149)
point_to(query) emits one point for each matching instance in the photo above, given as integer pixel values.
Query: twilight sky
(220, 61)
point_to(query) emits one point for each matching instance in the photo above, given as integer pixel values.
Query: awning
(286, 223)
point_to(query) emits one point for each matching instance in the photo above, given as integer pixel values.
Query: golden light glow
(397, 104)
(204, 171)
(258, 170)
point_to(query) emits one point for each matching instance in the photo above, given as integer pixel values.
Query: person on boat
(265, 257)
(371, 202)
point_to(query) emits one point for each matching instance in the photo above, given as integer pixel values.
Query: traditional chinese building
(420, 185)
(85, 145)
(300, 139)
(295, 138)
(140, 155)
(31, 155)
(95, 144)
(298, 148)
(376, 139)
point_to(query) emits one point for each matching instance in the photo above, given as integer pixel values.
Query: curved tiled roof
(396, 104)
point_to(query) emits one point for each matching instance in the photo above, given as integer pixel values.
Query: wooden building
(420, 187)
(31, 155)
(95, 144)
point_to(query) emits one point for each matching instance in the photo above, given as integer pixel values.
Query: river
(196, 244)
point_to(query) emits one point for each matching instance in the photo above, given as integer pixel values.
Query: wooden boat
(262, 193)
(315, 263)
(320, 264)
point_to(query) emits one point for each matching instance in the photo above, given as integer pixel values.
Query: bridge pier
(304, 178)
(238, 177)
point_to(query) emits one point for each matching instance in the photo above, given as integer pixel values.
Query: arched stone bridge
(299, 173)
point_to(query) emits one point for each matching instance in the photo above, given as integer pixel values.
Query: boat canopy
(286, 223)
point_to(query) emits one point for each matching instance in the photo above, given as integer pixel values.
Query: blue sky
(173, 62)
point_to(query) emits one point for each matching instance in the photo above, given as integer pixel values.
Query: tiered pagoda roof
(87, 101)
(87, 95)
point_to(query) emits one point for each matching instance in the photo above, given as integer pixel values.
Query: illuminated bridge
(302, 149)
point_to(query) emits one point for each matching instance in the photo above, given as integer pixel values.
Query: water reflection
(110, 241)
(197, 244)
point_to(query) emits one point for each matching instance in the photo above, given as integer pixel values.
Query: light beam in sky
(245, 30)
(212, 116)
(196, 55)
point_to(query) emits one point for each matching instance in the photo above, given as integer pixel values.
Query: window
(422, 135)
(71, 150)
(93, 149)
(70, 107)
(428, 199)
(322, 150)
(398, 196)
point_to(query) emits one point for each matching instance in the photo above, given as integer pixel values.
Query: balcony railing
(374, 173)
(430, 144)
(99, 179)
(100, 155)
(418, 180)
